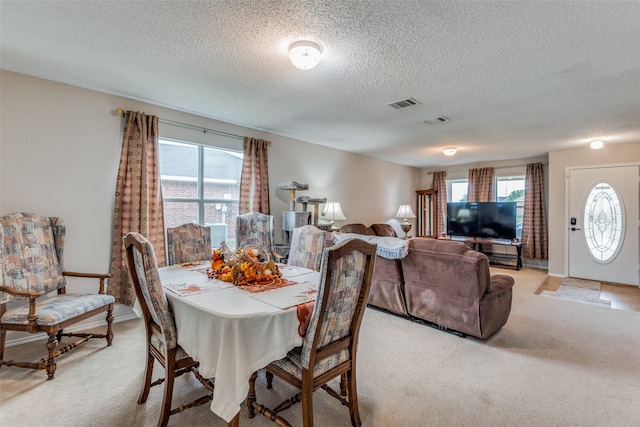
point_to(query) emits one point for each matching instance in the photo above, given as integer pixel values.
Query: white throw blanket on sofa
(388, 247)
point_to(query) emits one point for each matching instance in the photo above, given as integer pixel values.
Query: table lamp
(333, 212)
(405, 211)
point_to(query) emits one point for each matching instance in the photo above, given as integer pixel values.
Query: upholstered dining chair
(256, 228)
(330, 344)
(161, 335)
(32, 248)
(307, 244)
(188, 243)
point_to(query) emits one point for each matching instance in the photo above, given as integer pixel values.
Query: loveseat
(444, 283)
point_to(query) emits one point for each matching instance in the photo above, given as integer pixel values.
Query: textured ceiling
(515, 79)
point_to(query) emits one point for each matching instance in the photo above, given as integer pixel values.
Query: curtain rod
(494, 167)
(121, 112)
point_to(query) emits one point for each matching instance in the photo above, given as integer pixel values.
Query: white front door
(604, 223)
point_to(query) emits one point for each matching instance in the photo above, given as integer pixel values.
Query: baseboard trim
(82, 327)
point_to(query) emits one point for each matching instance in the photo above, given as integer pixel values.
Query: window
(511, 189)
(603, 222)
(201, 184)
(507, 189)
(459, 191)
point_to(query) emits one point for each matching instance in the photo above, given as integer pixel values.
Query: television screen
(493, 220)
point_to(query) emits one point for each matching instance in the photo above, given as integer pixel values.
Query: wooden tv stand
(497, 259)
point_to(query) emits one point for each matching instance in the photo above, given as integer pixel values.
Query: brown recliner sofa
(442, 282)
(450, 285)
(386, 286)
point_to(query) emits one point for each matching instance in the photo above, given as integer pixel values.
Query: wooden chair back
(188, 243)
(143, 270)
(307, 244)
(256, 228)
(332, 336)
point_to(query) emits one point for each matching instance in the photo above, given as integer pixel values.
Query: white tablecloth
(231, 333)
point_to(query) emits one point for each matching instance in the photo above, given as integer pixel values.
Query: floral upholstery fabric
(188, 243)
(345, 284)
(307, 243)
(255, 228)
(150, 287)
(33, 253)
(57, 309)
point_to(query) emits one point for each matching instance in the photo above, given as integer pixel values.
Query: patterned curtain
(254, 180)
(480, 185)
(439, 184)
(138, 199)
(535, 240)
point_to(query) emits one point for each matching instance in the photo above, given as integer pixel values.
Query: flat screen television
(492, 220)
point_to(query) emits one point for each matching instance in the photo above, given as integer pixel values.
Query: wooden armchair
(255, 228)
(331, 342)
(32, 266)
(188, 243)
(162, 338)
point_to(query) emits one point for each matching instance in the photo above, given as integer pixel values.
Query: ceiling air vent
(409, 102)
(436, 120)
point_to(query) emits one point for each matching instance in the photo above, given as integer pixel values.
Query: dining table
(233, 332)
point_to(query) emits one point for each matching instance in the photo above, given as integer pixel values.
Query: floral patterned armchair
(33, 266)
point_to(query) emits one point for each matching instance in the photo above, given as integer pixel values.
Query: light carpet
(579, 290)
(555, 363)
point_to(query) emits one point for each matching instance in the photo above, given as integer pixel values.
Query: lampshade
(333, 212)
(464, 214)
(405, 211)
(304, 55)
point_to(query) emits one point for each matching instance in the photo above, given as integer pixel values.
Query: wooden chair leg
(269, 376)
(3, 337)
(109, 325)
(148, 372)
(343, 384)
(307, 400)
(354, 412)
(165, 412)
(51, 364)
(251, 395)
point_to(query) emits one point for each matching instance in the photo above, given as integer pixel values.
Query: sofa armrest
(499, 282)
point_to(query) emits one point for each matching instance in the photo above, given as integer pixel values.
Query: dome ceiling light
(304, 55)
(449, 151)
(596, 145)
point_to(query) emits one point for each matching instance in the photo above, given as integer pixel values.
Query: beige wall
(60, 149)
(559, 162)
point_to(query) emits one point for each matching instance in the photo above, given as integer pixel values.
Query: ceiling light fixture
(451, 151)
(304, 55)
(596, 145)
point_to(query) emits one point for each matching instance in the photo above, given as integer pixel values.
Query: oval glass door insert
(603, 222)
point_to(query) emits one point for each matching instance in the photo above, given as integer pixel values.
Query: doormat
(579, 290)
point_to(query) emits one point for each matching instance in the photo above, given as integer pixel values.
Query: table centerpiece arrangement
(250, 265)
